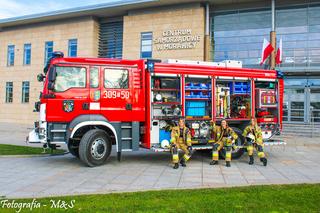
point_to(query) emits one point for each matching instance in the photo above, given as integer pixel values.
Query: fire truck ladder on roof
(225, 63)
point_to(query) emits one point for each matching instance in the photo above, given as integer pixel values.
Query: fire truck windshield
(69, 77)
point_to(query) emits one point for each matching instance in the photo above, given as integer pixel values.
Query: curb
(31, 156)
(24, 156)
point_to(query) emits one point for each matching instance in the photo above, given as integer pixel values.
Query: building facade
(163, 30)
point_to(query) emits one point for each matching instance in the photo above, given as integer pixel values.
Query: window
(111, 39)
(94, 77)
(72, 47)
(146, 45)
(9, 92)
(48, 51)
(238, 35)
(70, 77)
(27, 54)
(116, 79)
(25, 92)
(10, 56)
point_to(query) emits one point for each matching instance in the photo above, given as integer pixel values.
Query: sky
(15, 8)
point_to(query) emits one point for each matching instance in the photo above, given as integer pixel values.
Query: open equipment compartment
(267, 106)
(233, 99)
(198, 107)
(165, 108)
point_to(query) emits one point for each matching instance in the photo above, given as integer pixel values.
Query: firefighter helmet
(164, 144)
(250, 138)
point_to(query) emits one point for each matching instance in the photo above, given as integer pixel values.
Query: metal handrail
(311, 121)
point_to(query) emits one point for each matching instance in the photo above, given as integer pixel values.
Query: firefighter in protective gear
(224, 137)
(180, 141)
(253, 136)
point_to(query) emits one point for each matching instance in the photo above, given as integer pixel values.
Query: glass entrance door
(302, 100)
(314, 104)
(294, 105)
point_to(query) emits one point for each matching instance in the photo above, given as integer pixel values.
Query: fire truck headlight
(42, 131)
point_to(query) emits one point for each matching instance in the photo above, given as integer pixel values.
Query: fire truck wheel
(236, 152)
(95, 147)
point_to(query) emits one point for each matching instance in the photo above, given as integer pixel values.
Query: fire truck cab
(91, 104)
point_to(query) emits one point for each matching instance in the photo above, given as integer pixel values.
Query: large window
(110, 39)
(146, 45)
(70, 77)
(299, 27)
(9, 92)
(72, 47)
(116, 79)
(48, 51)
(239, 34)
(10, 55)
(25, 92)
(27, 54)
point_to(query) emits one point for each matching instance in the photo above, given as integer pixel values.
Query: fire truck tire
(95, 147)
(238, 152)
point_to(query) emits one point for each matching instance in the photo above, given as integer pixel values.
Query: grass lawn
(6, 149)
(274, 198)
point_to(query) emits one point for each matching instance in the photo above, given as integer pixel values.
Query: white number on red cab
(116, 94)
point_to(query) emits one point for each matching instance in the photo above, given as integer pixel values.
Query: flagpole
(273, 36)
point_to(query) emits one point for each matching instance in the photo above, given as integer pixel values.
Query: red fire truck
(91, 104)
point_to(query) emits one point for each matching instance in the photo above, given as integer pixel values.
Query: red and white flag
(266, 50)
(279, 53)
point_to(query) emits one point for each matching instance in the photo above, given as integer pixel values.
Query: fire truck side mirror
(40, 77)
(51, 78)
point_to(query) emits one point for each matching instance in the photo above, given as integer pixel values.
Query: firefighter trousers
(217, 146)
(182, 149)
(259, 148)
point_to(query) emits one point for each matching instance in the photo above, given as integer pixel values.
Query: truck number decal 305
(116, 94)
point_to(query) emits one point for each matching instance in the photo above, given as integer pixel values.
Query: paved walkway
(298, 162)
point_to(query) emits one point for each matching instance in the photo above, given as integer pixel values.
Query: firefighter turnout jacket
(180, 140)
(257, 133)
(223, 138)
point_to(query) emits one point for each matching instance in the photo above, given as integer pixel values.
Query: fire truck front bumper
(38, 134)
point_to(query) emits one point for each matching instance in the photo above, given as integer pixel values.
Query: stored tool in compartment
(240, 106)
(266, 98)
(199, 129)
(169, 83)
(173, 110)
(223, 102)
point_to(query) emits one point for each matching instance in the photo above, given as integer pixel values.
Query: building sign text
(176, 39)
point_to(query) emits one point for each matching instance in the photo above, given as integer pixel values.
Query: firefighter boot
(251, 160)
(215, 154)
(264, 161)
(214, 162)
(228, 156)
(176, 166)
(183, 162)
(262, 156)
